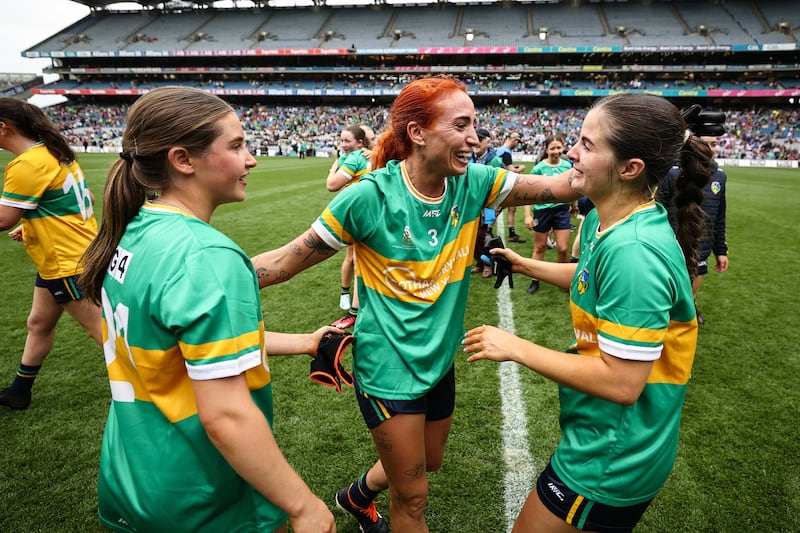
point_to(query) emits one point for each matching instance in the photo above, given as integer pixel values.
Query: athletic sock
(511, 231)
(23, 381)
(353, 311)
(345, 290)
(361, 495)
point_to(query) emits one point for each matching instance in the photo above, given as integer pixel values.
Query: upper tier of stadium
(198, 28)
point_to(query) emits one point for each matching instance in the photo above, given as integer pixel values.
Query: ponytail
(31, 122)
(695, 164)
(122, 198)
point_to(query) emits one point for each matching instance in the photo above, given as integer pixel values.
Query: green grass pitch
(738, 466)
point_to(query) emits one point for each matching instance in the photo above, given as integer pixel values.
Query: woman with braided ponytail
(44, 187)
(623, 382)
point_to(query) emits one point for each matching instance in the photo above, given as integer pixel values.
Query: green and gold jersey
(59, 221)
(414, 255)
(631, 298)
(180, 303)
(354, 165)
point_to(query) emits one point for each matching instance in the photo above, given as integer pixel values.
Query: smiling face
(451, 138)
(554, 151)
(348, 143)
(222, 169)
(592, 158)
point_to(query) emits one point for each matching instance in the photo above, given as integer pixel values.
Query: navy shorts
(64, 290)
(551, 218)
(583, 513)
(438, 404)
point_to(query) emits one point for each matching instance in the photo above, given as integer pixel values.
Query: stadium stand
(738, 54)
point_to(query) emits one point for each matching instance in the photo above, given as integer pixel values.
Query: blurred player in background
(348, 168)
(45, 188)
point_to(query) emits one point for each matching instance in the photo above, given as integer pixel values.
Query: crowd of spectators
(754, 133)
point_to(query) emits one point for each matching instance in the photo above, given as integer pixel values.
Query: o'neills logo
(556, 491)
(404, 281)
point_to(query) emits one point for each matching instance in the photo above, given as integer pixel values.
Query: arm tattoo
(547, 196)
(316, 246)
(270, 277)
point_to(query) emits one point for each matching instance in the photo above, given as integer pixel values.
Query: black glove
(704, 123)
(327, 368)
(501, 267)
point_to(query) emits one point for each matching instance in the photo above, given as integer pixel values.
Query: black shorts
(64, 290)
(583, 513)
(438, 404)
(551, 218)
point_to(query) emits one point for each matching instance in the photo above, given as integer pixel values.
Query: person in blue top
(505, 155)
(623, 382)
(485, 155)
(413, 222)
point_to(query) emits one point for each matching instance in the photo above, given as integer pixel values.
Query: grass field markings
(520, 469)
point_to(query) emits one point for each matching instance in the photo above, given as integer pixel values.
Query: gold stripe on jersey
(417, 281)
(335, 227)
(680, 345)
(679, 342)
(635, 334)
(208, 351)
(165, 373)
(499, 185)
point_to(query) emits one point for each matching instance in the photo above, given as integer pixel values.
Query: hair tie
(686, 135)
(127, 157)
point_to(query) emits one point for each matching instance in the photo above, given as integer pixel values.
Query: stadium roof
(183, 4)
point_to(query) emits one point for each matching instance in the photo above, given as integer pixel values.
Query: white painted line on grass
(520, 470)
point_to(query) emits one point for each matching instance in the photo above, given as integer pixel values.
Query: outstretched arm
(536, 189)
(558, 274)
(281, 264)
(608, 377)
(295, 343)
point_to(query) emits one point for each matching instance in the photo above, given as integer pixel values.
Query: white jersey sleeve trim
(224, 369)
(629, 351)
(329, 238)
(511, 179)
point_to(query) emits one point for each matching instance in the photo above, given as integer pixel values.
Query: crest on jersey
(715, 187)
(583, 281)
(407, 236)
(454, 214)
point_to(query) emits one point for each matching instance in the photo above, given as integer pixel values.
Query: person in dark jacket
(714, 207)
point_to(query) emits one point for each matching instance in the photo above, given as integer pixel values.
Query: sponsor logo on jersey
(404, 281)
(432, 213)
(583, 281)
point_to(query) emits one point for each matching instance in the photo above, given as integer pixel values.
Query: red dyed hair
(415, 103)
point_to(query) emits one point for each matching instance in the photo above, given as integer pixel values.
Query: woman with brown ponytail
(623, 382)
(188, 445)
(44, 187)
